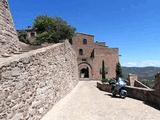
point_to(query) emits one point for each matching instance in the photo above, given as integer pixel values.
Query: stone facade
(31, 83)
(8, 36)
(91, 55)
(131, 79)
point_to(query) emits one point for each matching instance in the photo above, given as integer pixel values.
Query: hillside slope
(147, 73)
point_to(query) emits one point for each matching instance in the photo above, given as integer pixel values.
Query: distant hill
(147, 73)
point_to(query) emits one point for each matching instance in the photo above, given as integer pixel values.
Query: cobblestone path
(86, 102)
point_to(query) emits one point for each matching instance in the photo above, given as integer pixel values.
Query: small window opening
(84, 41)
(80, 52)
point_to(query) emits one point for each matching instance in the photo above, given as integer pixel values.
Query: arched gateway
(85, 70)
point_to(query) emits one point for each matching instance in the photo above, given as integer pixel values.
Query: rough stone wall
(138, 93)
(31, 83)
(134, 92)
(104, 87)
(147, 95)
(8, 36)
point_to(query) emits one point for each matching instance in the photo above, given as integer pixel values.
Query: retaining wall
(31, 83)
(140, 85)
(147, 95)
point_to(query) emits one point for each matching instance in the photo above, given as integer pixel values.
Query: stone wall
(104, 87)
(147, 95)
(8, 36)
(31, 83)
(140, 85)
(138, 93)
(133, 81)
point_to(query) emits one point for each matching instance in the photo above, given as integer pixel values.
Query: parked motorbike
(118, 87)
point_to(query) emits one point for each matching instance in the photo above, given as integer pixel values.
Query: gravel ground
(86, 102)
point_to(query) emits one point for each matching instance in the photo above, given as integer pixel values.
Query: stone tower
(9, 42)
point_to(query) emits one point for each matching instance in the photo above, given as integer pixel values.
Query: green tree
(103, 71)
(118, 70)
(52, 29)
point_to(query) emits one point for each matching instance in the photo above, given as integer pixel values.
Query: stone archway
(85, 70)
(84, 73)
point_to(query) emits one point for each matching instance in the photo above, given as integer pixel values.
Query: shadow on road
(151, 105)
(109, 94)
(144, 102)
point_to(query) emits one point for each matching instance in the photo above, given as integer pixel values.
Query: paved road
(86, 102)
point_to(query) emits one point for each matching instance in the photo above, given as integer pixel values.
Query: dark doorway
(84, 73)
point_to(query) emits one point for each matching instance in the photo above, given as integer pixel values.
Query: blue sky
(131, 25)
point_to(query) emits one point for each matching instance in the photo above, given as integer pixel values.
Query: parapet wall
(9, 42)
(140, 85)
(133, 81)
(31, 83)
(145, 94)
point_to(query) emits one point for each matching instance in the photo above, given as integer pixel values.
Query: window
(84, 41)
(32, 34)
(84, 60)
(80, 52)
(70, 41)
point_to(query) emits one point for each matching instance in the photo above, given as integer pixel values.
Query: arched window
(84, 41)
(80, 52)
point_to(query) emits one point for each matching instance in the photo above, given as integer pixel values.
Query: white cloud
(155, 63)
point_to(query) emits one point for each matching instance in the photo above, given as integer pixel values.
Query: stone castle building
(29, 34)
(31, 83)
(91, 56)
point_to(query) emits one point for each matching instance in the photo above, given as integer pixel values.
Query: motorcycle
(118, 87)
